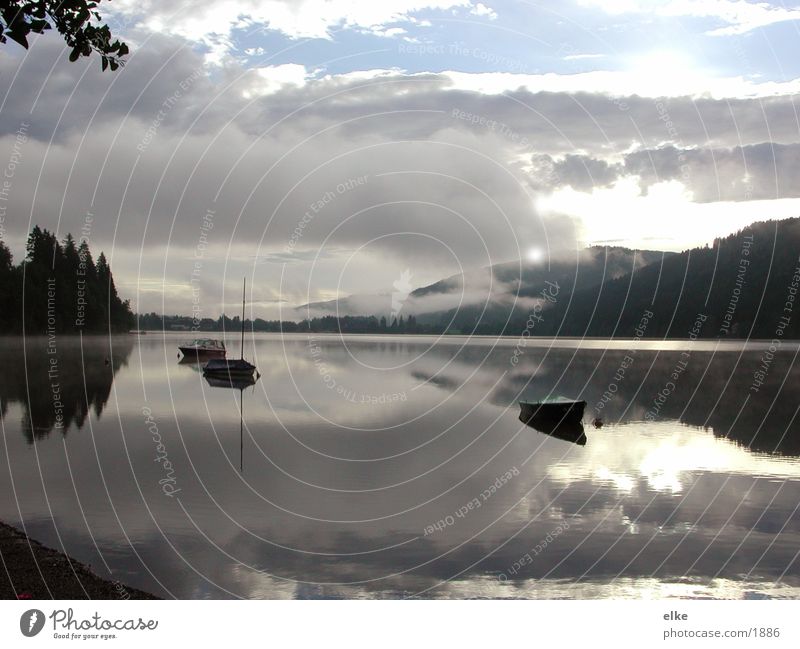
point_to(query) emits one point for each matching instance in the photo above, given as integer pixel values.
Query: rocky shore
(29, 570)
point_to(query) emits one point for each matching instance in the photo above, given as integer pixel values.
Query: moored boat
(203, 347)
(556, 411)
(231, 369)
(224, 368)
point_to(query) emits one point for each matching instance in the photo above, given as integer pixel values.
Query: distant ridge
(742, 286)
(494, 288)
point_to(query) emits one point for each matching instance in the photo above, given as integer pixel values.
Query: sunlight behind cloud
(270, 79)
(667, 73)
(660, 219)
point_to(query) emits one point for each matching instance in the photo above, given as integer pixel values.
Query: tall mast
(244, 280)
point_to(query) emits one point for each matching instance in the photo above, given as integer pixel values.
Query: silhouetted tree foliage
(359, 324)
(59, 289)
(744, 286)
(76, 20)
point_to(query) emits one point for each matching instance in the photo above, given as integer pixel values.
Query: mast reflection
(235, 383)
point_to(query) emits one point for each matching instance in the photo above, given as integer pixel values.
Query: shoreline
(183, 335)
(30, 570)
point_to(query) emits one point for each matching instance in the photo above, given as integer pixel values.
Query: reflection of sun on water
(620, 588)
(667, 455)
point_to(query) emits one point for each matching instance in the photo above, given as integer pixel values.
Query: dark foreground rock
(29, 570)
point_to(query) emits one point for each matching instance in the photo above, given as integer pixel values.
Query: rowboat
(560, 418)
(558, 410)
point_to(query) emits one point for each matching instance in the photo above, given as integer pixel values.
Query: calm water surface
(397, 467)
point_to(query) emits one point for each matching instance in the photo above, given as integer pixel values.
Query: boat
(560, 418)
(205, 347)
(557, 411)
(231, 369)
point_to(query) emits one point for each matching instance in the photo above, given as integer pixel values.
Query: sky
(338, 148)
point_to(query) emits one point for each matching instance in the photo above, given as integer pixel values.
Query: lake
(391, 466)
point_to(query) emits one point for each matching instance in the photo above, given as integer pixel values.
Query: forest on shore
(59, 288)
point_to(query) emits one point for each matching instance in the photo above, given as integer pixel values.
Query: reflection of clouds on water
(666, 456)
(338, 509)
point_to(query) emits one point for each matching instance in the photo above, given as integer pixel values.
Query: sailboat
(235, 368)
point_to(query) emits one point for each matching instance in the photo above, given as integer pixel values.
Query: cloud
(666, 218)
(670, 79)
(212, 22)
(739, 16)
(272, 78)
(481, 9)
(384, 170)
(581, 57)
(760, 171)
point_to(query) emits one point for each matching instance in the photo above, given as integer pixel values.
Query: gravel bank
(29, 570)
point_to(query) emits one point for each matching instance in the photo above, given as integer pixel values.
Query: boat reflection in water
(559, 418)
(235, 383)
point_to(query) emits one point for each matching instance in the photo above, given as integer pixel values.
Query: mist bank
(742, 286)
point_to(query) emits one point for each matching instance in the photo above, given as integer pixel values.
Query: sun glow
(535, 255)
(664, 218)
(667, 73)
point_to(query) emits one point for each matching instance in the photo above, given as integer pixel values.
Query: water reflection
(398, 467)
(59, 382)
(713, 392)
(239, 383)
(565, 431)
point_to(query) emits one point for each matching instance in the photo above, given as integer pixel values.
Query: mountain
(743, 286)
(486, 298)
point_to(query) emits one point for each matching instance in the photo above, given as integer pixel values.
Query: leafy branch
(76, 20)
